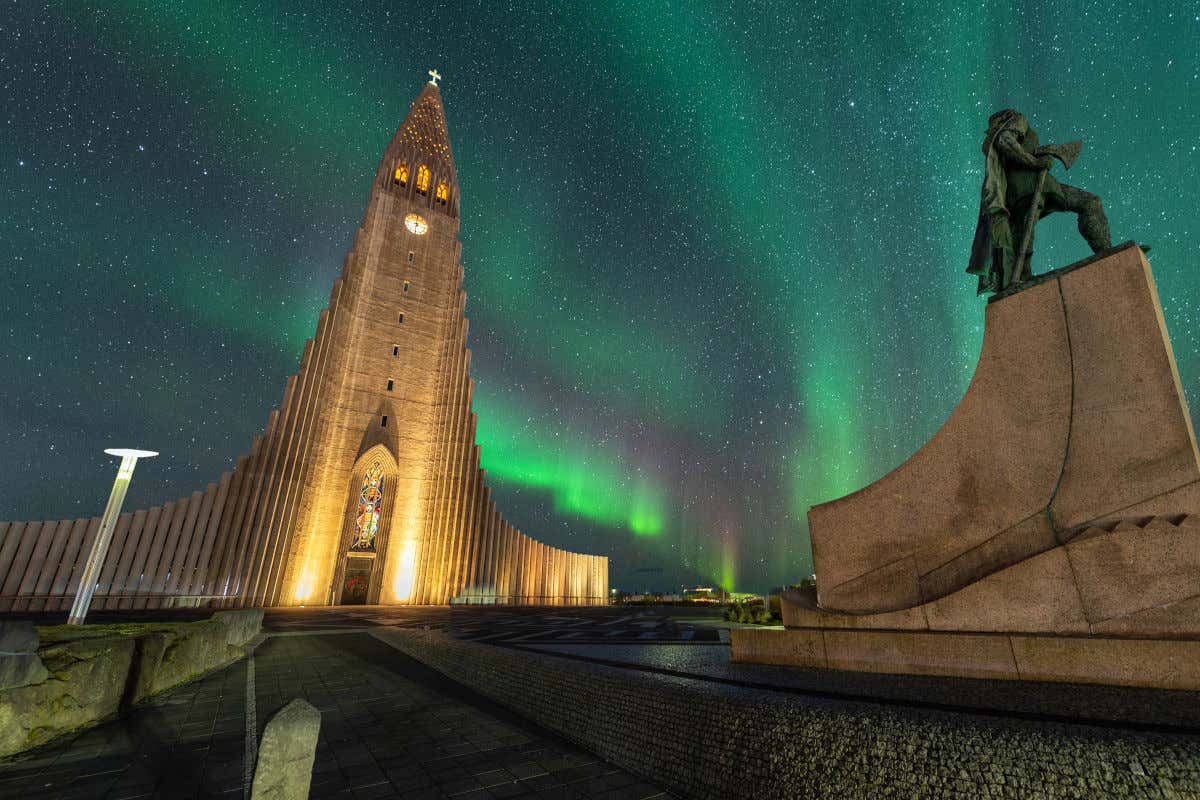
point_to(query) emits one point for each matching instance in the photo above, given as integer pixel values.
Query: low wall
(93, 672)
(702, 739)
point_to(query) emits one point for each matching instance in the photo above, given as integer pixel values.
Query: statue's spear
(1066, 153)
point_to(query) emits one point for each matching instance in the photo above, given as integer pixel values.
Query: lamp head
(127, 452)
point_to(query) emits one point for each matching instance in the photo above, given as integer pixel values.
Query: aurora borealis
(714, 252)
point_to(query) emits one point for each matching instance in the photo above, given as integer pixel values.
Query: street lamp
(91, 570)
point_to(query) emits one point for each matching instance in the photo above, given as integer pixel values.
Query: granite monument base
(1049, 531)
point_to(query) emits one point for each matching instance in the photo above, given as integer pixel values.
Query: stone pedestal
(1054, 515)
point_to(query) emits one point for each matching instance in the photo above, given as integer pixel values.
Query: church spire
(419, 162)
(423, 134)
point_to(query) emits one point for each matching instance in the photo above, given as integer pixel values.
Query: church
(365, 486)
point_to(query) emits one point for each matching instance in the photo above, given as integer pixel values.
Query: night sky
(714, 259)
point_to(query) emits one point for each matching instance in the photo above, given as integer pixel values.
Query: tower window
(400, 177)
(395, 350)
(383, 422)
(401, 317)
(443, 193)
(406, 285)
(410, 256)
(390, 384)
(423, 179)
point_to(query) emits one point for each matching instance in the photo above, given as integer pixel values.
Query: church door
(357, 581)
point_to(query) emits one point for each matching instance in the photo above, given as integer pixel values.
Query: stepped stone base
(1049, 531)
(1150, 663)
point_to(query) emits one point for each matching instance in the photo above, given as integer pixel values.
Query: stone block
(1119, 662)
(1037, 595)
(85, 685)
(1179, 620)
(18, 636)
(918, 653)
(1133, 569)
(800, 610)
(19, 661)
(286, 753)
(165, 660)
(21, 669)
(241, 625)
(1023, 540)
(792, 647)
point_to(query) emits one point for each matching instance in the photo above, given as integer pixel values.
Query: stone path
(390, 727)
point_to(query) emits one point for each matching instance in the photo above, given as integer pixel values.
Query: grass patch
(57, 634)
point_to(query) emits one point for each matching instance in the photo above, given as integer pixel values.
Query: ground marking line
(251, 755)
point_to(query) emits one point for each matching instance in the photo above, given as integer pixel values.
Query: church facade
(365, 486)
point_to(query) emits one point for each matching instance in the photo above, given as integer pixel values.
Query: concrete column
(91, 570)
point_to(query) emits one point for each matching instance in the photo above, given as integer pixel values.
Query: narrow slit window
(410, 256)
(406, 286)
(383, 422)
(401, 317)
(390, 384)
(423, 179)
(395, 350)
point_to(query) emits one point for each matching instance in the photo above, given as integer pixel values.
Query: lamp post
(91, 570)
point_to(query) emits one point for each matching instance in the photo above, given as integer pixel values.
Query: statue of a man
(1015, 161)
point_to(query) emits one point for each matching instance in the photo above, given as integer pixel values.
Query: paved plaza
(392, 727)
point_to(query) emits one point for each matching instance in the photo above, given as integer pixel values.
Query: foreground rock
(19, 661)
(285, 756)
(74, 683)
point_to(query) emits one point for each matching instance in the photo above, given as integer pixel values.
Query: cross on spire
(434, 77)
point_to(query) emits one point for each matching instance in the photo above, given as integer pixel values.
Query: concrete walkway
(390, 727)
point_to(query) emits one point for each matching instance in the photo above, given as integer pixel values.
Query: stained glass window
(370, 504)
(423, 179)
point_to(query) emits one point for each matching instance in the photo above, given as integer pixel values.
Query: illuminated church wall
(365, 485)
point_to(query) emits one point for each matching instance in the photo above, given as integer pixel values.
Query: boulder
(84, 685)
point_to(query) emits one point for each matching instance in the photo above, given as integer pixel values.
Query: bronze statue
(1018, 190)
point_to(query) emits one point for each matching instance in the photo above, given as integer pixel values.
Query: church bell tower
(393, 507)
(365, 486)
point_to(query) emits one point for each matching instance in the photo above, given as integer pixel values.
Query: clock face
(416, 223)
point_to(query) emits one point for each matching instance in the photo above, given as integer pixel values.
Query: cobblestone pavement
(390, 727)
(1052, 701)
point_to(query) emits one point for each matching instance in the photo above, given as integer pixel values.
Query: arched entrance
(366, 522)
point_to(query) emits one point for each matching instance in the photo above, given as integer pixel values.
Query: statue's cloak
(992, 254)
